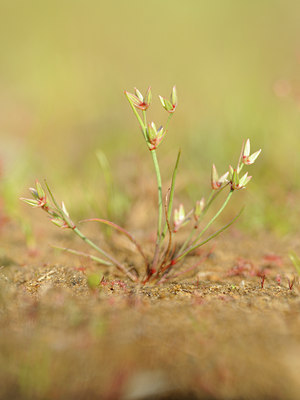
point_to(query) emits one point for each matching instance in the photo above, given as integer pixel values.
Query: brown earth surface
(215, 333)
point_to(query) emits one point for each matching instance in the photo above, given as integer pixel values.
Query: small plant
(166, 254)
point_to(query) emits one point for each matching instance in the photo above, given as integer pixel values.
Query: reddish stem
(122, 230)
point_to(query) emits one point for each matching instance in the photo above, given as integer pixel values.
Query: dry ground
(216, 334)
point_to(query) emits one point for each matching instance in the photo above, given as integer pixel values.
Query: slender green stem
(180, 254)
(168, 249)
(158, 178)
(145, 118)
(159, 221)
(171, 195)
(122, 230)
(187, 241)
(159, 190)
(71, 225)
(213, 195)
(105, 254)
(80, 253)
(215, 216)
(210, 199)
(195, 246)
(168, 120)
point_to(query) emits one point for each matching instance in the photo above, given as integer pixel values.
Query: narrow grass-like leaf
(58, 209)
(170, 206)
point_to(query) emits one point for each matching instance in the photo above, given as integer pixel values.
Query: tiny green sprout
(166, 254)
(93, 280)
(170, 105)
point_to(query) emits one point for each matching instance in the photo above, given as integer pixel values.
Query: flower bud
(217, 182)
(138, 100)
(200, 204)
(248, 159)
(245, 179)
(169, 105)
(174, 97)
(148, 96)
(154, 135)
(34, 193)
(59, 222)
(63, 207)
(238, 183)
(179, 217)
(40, 190)
(33, 203)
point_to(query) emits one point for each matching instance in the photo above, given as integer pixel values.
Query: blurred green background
(65, 64)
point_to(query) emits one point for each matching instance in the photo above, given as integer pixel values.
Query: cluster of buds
(138, 100)
(216, 181)
(170, 105)
(233, 175)
(39, 198)
(154, 135)
(236, 181)
(59, 216)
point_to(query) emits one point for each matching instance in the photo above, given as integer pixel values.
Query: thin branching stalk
(197, 245)
(168, 120)
(159, 190)
(71, 225)
(212, 197)
(123, 231)
(81, 253)
(120, 266)
(214, 217)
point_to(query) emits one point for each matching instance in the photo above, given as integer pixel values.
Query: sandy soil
(213, 334)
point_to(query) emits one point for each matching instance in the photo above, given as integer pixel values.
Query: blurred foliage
(64, 65)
